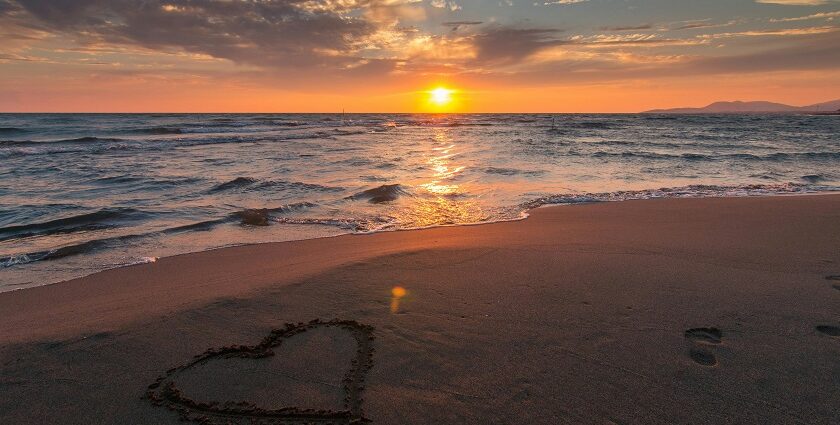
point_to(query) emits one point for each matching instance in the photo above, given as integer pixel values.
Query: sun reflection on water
(446, 202)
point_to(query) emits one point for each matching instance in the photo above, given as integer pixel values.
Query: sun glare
(441, 96)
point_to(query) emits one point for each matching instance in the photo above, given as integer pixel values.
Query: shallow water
(82, 193)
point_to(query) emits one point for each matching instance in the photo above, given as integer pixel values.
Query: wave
(200, 226)
(248, 183)
(63, 252)
(355, 225)
(77, 140)
(250, 217)
(779, 156)
(159, 130)
(511, 171)
(233, 184)
(297, 186)
(102, 219)
(117, 179)
(468, 124)
(691, 191)
(279, 122)
(568, 127)
(86, 139)
(381, 194)
(593, 125)
(141, 260)
(4, 130)
(815, 178)
(502, 171)
(99, 145)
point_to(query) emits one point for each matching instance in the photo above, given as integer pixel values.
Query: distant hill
(747, 107)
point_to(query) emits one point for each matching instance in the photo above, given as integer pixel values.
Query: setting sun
(441, 96)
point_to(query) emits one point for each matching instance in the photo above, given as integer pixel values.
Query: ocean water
(85, 192)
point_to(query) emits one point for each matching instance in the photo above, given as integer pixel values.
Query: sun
(440, 96)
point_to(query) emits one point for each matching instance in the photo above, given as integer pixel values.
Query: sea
(80, 193)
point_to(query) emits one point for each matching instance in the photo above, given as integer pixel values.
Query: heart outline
(163, 392)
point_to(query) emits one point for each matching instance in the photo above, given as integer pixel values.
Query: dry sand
(666, 311)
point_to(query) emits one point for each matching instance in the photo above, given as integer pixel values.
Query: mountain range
(752, 107)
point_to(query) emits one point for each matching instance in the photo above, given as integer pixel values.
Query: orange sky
(385, 55)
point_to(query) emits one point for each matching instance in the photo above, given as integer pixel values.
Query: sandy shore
(664, 311)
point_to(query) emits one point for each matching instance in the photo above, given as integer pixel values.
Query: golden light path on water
(444, 201)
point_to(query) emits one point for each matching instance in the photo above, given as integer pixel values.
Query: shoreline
(255, 247)
(703, 310)
(523, 215)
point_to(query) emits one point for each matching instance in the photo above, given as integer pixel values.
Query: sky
(387, 55)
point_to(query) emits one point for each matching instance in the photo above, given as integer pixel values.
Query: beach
(661, 311)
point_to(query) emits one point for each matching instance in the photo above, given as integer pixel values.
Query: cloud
(628, 28)
(448, 4)
(6, 7)
(505, 44)
(795, 2)
(702, 24)
(824, 15)
(456, 25)
(561, 2)
(637, 39)
(773, 33)
(283, 33)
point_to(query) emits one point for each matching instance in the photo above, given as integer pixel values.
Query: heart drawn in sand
(165, 392)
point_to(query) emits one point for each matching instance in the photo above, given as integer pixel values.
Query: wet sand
(672, 311)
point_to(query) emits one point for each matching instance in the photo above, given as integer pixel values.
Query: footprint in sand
(834, 278)
(829, 330)
(703, 340)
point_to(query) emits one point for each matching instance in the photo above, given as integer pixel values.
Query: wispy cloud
(702, 24)
(628, 28)
(796, 2)
(773, 32)
(562, 2)
(823, 15)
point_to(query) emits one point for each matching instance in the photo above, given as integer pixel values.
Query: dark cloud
(505, 44)
(6, 7)
(628, 28)
(456, 25)
(694, 26)
(266, 33)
